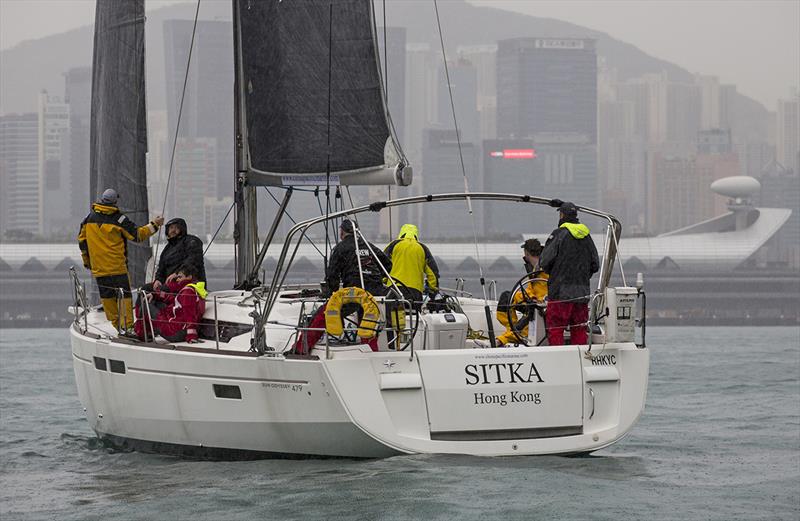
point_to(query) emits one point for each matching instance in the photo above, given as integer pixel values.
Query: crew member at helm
(343, 267)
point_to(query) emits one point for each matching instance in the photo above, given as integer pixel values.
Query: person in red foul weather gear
(570, 257)
(182, 304)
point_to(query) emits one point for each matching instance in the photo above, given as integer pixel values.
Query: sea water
(719, 439)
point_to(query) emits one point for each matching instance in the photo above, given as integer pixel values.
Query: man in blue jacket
(570, 257)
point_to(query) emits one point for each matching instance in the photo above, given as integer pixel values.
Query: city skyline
(615, 138)
(705, 45)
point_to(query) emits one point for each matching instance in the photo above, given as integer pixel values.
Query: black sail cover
(311, 84)
(118, 120)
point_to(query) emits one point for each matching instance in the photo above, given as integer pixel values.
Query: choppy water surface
(719, 439)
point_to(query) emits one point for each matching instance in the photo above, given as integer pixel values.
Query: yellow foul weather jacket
(103, 240)
(536, 291)
(412, 262)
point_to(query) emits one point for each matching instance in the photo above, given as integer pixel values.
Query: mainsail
(118, 121)
(313, 101)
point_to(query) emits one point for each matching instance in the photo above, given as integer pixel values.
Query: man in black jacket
(343, 268)
(181, 249)
(343, 265)
(570, 257)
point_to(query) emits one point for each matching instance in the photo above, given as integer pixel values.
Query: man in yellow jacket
(412, 265)
(535, 291)
(103, 240)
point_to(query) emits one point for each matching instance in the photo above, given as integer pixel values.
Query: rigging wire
(386, 95)
(464, 173)
(292, 219)
(219, 227)
(328, 148)
(178, 126)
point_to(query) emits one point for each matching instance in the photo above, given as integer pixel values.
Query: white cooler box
(445, 330)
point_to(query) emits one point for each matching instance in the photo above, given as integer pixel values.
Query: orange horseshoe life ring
(368, 327)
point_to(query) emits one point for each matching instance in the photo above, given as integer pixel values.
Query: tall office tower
(788, 133)
(621, 156)
(19, 162)
(421, 88)
(54, 195)
(562, 166)
(393, 71)
(208, 103)
(672, 201)
(78, 94)
(441, 173)
(464, 89)
(546, 85)
(710, 93)
(727, 106)
(194, 180)
(484, 59)
(683, 111)
(709, 167)
(680, 192)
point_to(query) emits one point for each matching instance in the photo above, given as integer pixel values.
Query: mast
(245, 232)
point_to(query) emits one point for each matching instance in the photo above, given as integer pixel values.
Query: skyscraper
(788, 133)
(77, 93)
(19, 169)
(441, 172)
(464, 89)
(562, 166)
(546, 85)
(54, 196)
(208, 102)
(393, 71)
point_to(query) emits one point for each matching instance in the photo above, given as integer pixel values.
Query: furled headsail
(311, 100)
(118, 120)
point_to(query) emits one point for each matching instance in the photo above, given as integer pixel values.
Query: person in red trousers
(176, 309)
(570, 257)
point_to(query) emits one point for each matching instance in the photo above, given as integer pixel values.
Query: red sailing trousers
(317, 327)
(561, 315)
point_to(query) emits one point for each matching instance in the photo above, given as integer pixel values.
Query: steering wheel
(527, 307)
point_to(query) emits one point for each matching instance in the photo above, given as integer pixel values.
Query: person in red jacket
(178, 308)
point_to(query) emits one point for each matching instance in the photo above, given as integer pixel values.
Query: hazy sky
(754, 44)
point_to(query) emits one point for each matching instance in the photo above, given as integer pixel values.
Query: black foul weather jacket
(181, 249)
(570, 257)
(343, 266)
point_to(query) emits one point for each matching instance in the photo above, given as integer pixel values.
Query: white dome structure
(736, 187)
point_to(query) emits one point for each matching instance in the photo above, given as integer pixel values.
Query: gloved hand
(556, 203)
(193, 341)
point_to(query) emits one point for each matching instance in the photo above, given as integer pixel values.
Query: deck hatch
(227, 391)
(100, 363)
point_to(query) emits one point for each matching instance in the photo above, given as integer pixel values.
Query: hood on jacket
(409, 231)
(107, 209)
(200, 288)
(577, 230)
(181, 225)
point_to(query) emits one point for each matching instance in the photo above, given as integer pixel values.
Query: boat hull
(232, 405)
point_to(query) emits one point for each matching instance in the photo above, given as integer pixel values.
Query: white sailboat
(439, 387)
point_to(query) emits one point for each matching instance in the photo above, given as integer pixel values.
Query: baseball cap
(533, 246)
(568, 209)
